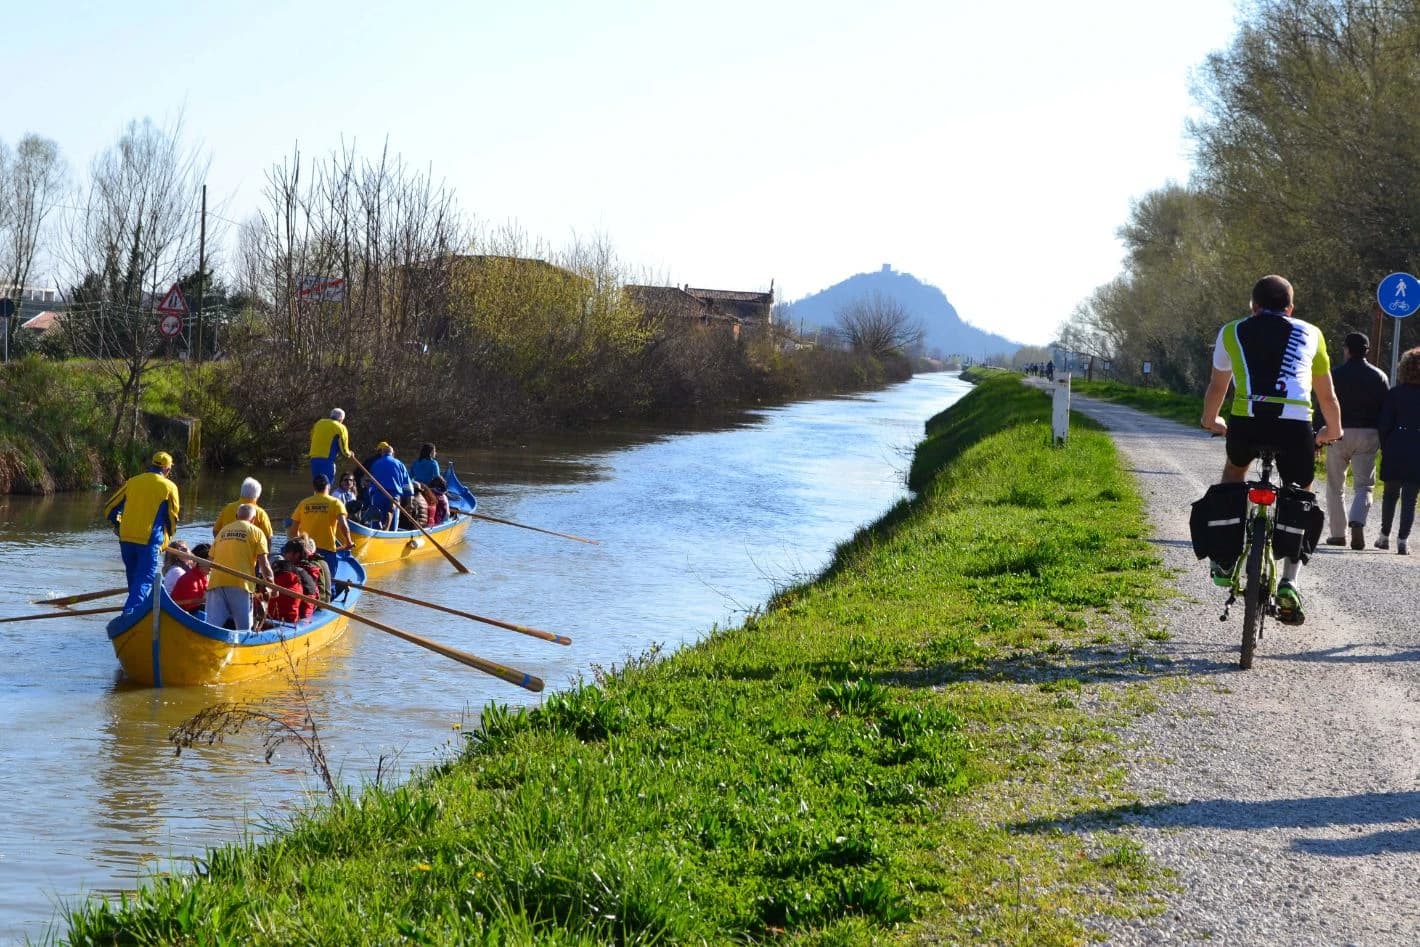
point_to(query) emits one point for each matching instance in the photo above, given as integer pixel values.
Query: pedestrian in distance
(1400, 452)
(144, 513)
(330, 441)
(1361, 388)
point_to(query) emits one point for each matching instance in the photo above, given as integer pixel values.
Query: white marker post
(1060, 409)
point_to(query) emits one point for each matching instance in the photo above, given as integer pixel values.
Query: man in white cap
(330, 441)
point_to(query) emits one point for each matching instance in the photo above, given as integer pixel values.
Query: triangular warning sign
(173, 303)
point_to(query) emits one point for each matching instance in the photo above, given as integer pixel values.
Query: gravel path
(1285, 798)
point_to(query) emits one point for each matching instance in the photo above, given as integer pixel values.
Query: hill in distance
(944, 332)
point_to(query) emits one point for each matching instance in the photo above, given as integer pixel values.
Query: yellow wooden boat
(379, 547)
(169, 647)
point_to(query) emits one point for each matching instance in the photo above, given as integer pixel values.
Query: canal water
(695, 527)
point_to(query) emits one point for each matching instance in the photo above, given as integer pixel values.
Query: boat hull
(173, 648)
(378, 547)
(381, 547)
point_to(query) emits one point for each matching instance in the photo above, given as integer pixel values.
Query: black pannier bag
(1217, 523)
(1298, 526)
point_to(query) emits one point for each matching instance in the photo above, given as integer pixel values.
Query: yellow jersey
(145, 509)
(229, 515)
(237, 546)
(318, 516)
(329, 440)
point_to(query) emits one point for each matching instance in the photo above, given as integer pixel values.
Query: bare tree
(135, 233)
(31, 180)
(879, 326)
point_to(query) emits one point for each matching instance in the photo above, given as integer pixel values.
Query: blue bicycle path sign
(1398, 295)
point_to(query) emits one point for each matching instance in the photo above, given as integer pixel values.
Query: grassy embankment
(859, 762)
(1186, 409)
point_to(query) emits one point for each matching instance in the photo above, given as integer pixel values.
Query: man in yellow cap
(330, 441)
(389, 471)
(144, 513)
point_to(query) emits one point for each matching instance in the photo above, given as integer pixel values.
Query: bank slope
(869, 758)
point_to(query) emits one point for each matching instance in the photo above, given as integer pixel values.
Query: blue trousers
(140, 562)
(323, 465)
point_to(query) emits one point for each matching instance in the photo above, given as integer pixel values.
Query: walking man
(330, 441)
(144, 513)
(1361, 387)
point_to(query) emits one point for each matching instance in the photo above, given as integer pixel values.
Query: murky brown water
(696, 528)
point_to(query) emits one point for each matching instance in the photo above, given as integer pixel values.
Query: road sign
(322, 289)
(174, 304)
(170, 325)
(1399, 295)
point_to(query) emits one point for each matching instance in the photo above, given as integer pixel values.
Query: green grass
(869, 759)
(1186, 409)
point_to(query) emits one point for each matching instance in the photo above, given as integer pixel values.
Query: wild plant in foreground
(214, 724)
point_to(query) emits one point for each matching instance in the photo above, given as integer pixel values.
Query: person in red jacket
(190, 590)
(285, 608)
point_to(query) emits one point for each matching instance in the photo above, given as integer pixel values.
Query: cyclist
(1275, 362)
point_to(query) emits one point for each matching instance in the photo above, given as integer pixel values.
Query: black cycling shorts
(1293, 442)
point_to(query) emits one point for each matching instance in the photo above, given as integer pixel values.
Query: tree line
(1305, 148)
(439, 328)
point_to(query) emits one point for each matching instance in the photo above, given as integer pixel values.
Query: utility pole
(201, 272)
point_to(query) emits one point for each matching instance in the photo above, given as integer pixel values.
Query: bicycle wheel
(1252, 592)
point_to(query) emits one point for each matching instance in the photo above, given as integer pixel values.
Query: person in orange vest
(144, 513)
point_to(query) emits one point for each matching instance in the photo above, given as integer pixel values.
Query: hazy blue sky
(991, 149)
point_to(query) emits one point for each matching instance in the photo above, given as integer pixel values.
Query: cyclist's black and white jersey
(1272, 357)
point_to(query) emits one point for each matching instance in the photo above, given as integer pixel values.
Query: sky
(992, 150)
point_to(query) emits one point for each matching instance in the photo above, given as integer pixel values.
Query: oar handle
(511, 675)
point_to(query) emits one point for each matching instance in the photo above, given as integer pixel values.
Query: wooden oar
(520, 629)
(85, 597)
(536, 529)
(447, 555)
(67, 614)
(511, 675)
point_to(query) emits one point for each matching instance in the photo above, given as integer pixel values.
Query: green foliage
(860, 762)
(1309, 122)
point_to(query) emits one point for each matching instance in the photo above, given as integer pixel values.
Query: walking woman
(1399, 428)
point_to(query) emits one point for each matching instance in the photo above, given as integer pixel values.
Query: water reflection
(696, 528)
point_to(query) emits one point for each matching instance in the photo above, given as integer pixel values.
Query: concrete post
(1060, 409)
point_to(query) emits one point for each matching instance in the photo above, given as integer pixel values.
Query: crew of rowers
(144, 514)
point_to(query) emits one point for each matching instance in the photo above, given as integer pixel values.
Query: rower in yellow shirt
(330, 441)
(322, 517)
(144, 512)
(250, 493)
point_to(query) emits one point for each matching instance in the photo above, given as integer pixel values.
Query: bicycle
(1256, 568)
